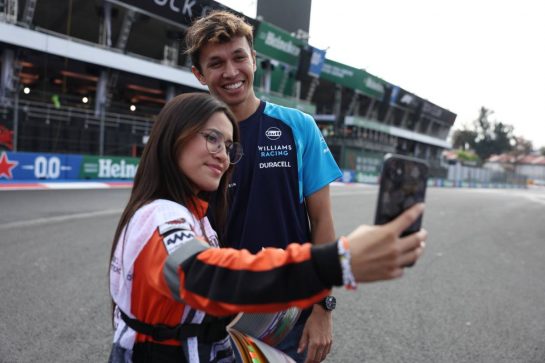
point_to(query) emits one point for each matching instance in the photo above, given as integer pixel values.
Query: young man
(282, 181)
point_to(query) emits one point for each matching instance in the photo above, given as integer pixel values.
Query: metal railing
(42, 127)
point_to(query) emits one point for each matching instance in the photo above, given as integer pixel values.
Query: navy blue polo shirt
(285, 160)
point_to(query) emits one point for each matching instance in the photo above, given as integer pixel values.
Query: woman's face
(203, 168)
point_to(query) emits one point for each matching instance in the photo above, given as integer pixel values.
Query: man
(282, 182)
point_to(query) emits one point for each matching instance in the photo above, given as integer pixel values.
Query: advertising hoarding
(277, 44)
(178, 12)
(356, 79)
(49, 166)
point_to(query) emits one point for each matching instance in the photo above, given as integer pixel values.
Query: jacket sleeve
(224, 281)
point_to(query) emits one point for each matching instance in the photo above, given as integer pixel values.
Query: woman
(165, 277)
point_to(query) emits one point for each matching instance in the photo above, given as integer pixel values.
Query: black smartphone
(403, 182)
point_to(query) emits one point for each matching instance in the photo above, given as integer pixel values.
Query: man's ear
(198, 75)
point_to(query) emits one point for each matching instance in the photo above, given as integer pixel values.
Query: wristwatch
(328, 303)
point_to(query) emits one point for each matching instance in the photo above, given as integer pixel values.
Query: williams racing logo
(273, 133)
(274, 151)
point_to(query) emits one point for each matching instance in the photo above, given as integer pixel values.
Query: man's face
(228, 71)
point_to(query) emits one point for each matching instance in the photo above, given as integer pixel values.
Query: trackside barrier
(435, 182)
(22, 166)
(351, 176)
(27, 167)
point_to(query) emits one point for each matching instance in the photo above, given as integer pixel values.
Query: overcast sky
(460, 55)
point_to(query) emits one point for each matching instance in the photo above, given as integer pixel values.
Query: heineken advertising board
(277, 44)
(98, 167)
(353, 78)
(47, 166)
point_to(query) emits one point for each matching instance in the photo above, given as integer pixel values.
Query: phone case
(403, 183)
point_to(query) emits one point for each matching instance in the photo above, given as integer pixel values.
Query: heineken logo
(108, 169)
(274, 41)
(374, 85)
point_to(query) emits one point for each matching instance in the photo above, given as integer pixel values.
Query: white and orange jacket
(163, 272)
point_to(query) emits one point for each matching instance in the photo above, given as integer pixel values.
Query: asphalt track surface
(477, 295)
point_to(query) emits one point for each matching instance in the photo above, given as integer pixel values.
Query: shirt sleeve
(221, 281)
(226, 281)
(316, 166)
(319, 166)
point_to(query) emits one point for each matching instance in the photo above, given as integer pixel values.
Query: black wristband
(326, 261)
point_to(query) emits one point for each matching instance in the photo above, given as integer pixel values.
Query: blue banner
(39, 166)
(317, 61)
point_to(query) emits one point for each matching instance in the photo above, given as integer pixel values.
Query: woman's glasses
(215, 142)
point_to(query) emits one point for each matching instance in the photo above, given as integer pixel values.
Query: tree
(487, 137)
(522, 146)
(464, 139)
(542, 150)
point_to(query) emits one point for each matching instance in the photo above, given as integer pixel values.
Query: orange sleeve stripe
(155, 255)
(223, 309)
(151, 297)
(149, 265)
(265, 260)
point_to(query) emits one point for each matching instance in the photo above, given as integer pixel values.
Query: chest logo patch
(273, 133)
(174, 240)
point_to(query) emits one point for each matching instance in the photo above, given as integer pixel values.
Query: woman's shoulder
(161, 211)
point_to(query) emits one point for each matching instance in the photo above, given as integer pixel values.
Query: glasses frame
(214, 149)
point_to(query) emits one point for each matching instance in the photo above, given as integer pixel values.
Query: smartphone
(403, 183)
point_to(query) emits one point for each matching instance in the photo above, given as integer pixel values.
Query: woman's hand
(378, 253)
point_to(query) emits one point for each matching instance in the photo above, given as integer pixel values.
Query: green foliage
(464, 139)
(495, 140)
(467, 155)
(542, 150)
(487, 137)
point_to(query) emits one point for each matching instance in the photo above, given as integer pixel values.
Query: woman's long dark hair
(158, 175)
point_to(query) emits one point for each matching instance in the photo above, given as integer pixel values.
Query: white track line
(63, 218)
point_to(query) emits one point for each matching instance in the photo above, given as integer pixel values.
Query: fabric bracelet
(349, 281)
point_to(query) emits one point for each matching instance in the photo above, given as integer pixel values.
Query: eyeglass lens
(216, 141)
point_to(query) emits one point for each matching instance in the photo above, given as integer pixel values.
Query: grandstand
(89, 76)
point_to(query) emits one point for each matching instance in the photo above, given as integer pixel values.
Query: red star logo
(6, 166)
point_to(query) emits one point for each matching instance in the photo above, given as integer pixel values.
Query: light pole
(16, 118)
(102, 126)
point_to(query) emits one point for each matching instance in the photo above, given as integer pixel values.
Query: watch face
(330, 302)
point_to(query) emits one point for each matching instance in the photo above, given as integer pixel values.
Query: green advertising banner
(278, 44)
(108, 167)
(353, 78)
(301, 105)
